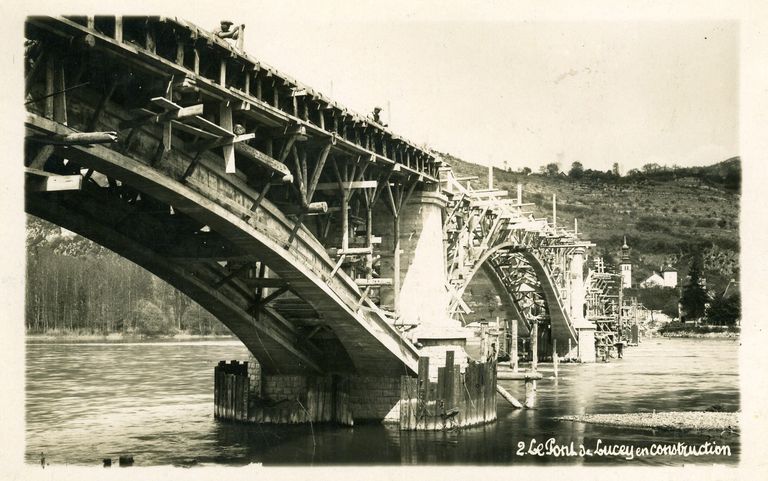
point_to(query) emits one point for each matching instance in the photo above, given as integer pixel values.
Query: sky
(521, 93)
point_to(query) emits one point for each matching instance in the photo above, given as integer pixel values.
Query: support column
(577, 286)
(423, 297)
(585, 330)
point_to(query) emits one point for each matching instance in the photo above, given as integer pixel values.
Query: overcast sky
(527, 93)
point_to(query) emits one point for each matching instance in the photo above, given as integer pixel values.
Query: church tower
(626, 265)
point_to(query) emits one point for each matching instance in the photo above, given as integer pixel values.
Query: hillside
(666, 213)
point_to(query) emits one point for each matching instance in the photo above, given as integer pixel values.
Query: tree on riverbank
(725, 311)
(77, 287)
(694, 297)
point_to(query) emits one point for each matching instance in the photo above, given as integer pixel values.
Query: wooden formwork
(455, 400)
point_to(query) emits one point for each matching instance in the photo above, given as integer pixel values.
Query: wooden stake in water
(530, 393)
(513, 345)
(534, 344)
(484, 340)
(555, 359)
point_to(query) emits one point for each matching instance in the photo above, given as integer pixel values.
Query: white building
(670, 276)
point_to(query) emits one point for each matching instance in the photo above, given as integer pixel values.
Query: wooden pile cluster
(230, 391)
(455, 400)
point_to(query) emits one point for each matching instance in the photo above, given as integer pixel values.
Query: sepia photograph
(383, 235)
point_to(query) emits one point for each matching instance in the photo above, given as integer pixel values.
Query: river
(154, 401)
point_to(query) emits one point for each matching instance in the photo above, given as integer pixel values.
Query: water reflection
(86, 402)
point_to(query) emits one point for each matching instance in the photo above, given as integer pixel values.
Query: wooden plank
(404, 403)
(211, 127)
(381, 281)
(449, 396)
(168, 104)
(423, 377)
(40, 181)
(429, 403)
(193, 130)
(216, 391)
(475, 393)
(440, 407)
(458, 397)
(225, 119)
(413, 386)
(238, 397)
(311, 400)
(246, 396)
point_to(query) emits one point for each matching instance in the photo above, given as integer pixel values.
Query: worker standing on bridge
(226, 31)
(376, 116)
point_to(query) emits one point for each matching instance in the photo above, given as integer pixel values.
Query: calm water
(154, 401)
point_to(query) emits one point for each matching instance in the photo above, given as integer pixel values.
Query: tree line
(76, 286)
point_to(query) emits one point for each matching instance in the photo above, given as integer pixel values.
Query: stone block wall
(279, 387)
(254, 376)
(373, 398)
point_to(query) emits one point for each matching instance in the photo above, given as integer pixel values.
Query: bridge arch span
(362, 333)
(492, 263)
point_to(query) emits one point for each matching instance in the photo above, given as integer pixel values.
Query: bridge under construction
(336, 250)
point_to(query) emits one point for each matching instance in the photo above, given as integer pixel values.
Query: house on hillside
(655, 280)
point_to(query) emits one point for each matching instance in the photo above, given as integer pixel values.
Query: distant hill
(666, 213)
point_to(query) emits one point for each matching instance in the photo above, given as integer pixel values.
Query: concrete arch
(373, 345)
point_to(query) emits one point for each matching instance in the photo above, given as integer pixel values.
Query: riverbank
(701, 335)
(121, 337)
(678, 421)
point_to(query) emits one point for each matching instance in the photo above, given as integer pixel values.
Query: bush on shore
(680, 327)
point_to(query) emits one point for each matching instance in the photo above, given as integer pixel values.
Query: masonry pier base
(449, 399)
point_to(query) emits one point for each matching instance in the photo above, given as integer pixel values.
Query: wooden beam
(264, 161)
(232, 275)
(333, 251)
(77, 138)
(42, 156)
(318, 170)
(293, 130)
(119, 28)
(358, 184)
(279, 292)
(169, 115)
(218, 142)
(265, 282)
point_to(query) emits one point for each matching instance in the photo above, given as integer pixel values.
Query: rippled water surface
(88, 401)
